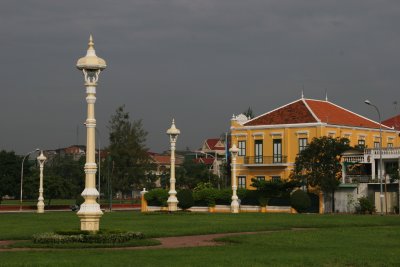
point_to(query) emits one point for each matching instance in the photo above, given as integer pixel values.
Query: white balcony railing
(385, 151)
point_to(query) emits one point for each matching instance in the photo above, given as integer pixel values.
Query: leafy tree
(127, 149)
(191, 173)
(10, 173)
(249, 113)
(319, 164)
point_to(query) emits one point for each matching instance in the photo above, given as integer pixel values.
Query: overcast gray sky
(198, 61)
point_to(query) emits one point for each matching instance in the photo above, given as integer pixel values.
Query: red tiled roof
(212, 142)
(332, 114)
(295, 112)
(393, 122)
(309, 111)
(162, 159)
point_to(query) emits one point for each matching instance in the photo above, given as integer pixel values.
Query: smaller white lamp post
(40, 205)
(173, 133)
(235, 204)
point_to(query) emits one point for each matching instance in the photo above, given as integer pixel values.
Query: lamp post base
(40, 206)
(90, 222)
(172, 203)
(235, 206)
(90, 217)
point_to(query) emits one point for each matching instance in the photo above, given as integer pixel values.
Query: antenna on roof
(302, 92)
(326, 95)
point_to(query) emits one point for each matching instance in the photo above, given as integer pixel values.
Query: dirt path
(166, 242)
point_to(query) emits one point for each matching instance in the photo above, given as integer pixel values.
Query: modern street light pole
(22, 176)
(234, 204)
(40, 205)
(172, 201)
(380, 154)
(91, 66)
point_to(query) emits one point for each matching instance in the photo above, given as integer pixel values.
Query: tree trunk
(333, 201)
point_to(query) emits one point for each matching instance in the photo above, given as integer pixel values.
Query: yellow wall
(290, 145)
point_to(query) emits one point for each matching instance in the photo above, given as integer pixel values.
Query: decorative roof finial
(302, 94)
(326, 95)
(91, 43)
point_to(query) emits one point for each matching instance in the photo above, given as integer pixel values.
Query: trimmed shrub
(157, 197)
(185, 198)
(223, 197)
(365, 205)
(250, 198)
(300, 200)
(279, 201)
(262, 201)
(86, 237)
(205, 197)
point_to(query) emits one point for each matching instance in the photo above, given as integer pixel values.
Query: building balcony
(356, 179)
(265, 161)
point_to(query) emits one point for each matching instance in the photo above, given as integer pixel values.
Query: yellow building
(268, 144)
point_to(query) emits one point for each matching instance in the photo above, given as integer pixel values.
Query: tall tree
(191, 173)
(249, 113)
(128, 152)
(10, 173)
(319, 164)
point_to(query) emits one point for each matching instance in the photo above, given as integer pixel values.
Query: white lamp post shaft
(40, 205)
(235, 203)
(172, 201)
(90, 211)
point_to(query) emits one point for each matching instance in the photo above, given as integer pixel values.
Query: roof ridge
(310, 110)
(273, 110)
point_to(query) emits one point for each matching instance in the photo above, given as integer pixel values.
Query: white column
(373, 168)
(343, 172)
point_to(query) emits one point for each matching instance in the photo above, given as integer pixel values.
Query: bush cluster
(300, 200)
(157, 197)
(185, 198)
(365, 205)
(85, 237)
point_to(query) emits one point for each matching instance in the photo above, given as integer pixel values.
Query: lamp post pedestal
(90, 212)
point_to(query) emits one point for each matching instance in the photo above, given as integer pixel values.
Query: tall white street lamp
(22, 176)
(90, 212)
(380, 153)
(172, 201)
(234, 204)
(40, 205)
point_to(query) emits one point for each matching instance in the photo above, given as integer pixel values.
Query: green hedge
(86, 237)
(185, 199)
(157, 197)
(300, 200)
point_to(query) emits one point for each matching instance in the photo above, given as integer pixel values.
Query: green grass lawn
(332, 240)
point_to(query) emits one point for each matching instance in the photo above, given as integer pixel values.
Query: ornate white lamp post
(173, 133)
(234, 204)
(90, 212)
(40, 205)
